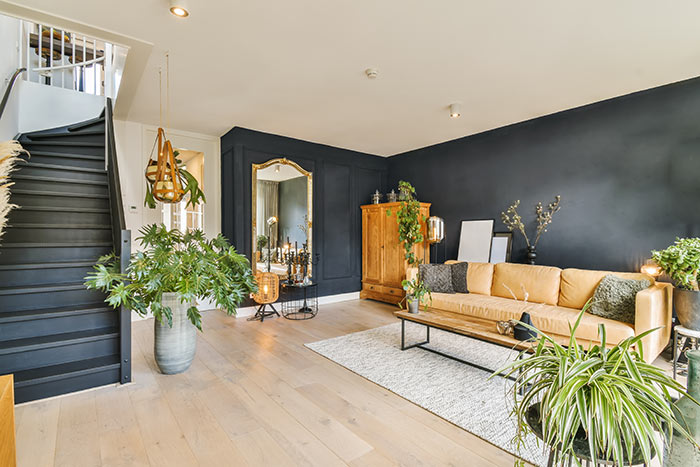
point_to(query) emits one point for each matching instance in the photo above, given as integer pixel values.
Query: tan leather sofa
(554, 297)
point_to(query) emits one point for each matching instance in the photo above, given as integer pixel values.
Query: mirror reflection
(282, 193)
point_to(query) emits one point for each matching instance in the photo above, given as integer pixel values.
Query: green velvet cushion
(614, 298)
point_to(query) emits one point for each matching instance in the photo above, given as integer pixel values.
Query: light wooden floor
(253, 396)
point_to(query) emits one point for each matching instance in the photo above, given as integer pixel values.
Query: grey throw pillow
(459, 277)
(437, 277)
(614, 298)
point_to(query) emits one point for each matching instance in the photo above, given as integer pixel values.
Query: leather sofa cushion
(578, 285)
(480, 278)
(549, 319)
(540, 283)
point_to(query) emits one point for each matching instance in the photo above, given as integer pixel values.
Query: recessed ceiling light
(179, 8)
(371, 73)
(455, 110)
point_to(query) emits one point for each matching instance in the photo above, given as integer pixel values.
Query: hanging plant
(167, 179)
(410, 220)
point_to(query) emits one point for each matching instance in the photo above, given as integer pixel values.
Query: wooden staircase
(55, 335)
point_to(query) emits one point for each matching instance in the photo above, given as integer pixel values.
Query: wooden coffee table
(476, 328)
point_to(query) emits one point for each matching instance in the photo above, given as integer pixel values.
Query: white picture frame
(475, 241)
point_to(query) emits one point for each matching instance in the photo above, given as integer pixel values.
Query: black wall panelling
(628, 171)
(342, 181)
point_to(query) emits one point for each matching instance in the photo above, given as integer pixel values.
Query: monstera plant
(167, 278)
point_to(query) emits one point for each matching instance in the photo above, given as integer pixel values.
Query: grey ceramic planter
(174, 347)
(687, 304)
(413, 305)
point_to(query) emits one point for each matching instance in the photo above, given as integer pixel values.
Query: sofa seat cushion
(547, 318)
(578, 285)
(539, 283)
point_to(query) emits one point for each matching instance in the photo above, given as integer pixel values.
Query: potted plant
(173, 271)
(415, 291)
(601, 404)
(681, 261)
(261, 244)
(410, 220)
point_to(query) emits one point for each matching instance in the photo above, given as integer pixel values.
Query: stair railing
(6, 96)
(56, 57)
(121, 237)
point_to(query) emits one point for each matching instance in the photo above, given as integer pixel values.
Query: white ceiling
(278, 173)
(296, 68)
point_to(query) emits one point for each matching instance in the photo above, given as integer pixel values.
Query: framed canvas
(475, 241)
(501, 246)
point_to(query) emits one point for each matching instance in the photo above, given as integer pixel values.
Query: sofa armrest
(411, 273)
(653, 309)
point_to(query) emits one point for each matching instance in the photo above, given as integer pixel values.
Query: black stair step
(56, 349)
(46, 265)
(71, 181)
(66, 378)
(4, 291)
(65, 168)
(42, 136)
(65, 209)
(50, 373)
(87, 123)
(47, 142)
(57, 340)
(53, 194)
(63, 226)
(50, 321)
(56, 245)
(66, 155)
(23, 252)
(45, 272)
(56, 312)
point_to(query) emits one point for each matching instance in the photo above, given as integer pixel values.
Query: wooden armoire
(383, 257)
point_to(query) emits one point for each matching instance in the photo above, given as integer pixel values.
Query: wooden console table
(8, 456)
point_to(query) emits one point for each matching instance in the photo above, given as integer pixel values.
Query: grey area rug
(452, 390)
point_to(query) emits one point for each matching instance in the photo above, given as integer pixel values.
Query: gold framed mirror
(282, 214)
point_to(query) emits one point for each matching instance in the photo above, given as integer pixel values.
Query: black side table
(299, 301)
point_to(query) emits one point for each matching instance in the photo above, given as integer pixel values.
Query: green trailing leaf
(410, 221)
(184, 263)
(618, 401)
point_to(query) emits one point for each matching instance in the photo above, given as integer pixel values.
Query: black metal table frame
(421, 345)
(306, 311)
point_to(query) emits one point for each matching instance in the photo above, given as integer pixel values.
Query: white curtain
(267, 206)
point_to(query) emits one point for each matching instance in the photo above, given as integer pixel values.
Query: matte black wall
(292, 209)
(628, 171)
(342, 180)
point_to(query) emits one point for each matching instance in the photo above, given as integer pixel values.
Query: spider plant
(609, 397)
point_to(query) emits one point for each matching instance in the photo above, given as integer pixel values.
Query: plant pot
(580, 445)
(174, 347)
(687, 304)
(681, 452)
(413, 304)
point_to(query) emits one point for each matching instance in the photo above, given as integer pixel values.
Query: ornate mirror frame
(254, 211)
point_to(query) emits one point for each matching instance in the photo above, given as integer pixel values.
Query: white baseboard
(247, 311)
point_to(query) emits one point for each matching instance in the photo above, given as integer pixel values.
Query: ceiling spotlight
(179, 8)
(455, 110)
(371, 73)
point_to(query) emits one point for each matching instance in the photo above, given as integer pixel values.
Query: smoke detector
(371, 73)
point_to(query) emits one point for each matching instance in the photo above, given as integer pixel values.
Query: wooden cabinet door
(394, 263)
(372, 243)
